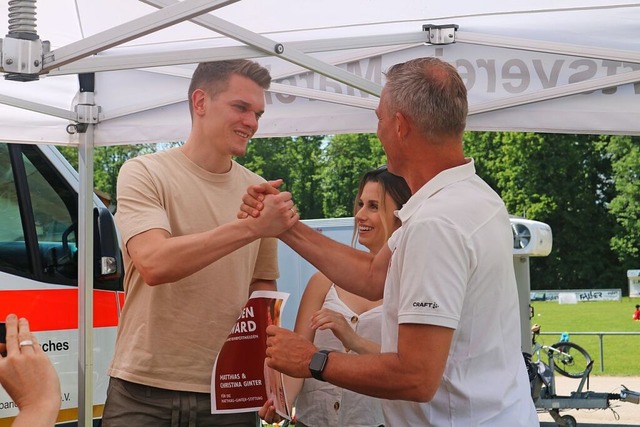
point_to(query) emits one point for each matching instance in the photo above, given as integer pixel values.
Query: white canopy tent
(528, 65)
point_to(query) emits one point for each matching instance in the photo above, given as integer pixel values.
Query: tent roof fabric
(530, 66)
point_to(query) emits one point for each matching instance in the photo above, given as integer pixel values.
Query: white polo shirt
(452, 266)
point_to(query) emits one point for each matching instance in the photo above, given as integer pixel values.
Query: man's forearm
(349, 268)
(378, 375)
(168, 259)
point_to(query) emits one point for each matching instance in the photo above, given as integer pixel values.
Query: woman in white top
(337, 320)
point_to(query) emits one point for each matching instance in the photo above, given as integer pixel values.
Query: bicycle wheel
(571, 360)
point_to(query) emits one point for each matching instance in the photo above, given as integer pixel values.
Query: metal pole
(601, 353)
(523, 279)
(85, 258)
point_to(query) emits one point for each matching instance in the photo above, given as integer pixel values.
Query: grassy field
(621, 353)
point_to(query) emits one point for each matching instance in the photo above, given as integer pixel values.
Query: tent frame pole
(87, 118)
(272, 47)
(129, 31)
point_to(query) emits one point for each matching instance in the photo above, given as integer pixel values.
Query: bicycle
(572, 361)
(565, 357)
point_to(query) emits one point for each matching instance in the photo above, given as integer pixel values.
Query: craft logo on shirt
(433, 305)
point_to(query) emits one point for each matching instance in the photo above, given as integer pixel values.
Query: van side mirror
(107, 255)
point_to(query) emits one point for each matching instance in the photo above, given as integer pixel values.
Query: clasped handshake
(270, 210)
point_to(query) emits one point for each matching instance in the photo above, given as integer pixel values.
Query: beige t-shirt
(169, 335)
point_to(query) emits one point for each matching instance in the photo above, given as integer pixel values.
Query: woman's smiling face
(375, 218)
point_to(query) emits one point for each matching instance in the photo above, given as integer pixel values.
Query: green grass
(621, 353)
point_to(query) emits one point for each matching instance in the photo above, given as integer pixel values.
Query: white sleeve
(437, 260)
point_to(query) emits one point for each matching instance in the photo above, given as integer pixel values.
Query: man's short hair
(213, 77)
(431, 93)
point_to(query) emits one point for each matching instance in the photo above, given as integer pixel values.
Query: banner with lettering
(241, 381)
(582, 295)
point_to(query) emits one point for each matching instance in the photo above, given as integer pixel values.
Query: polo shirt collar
(435, 184)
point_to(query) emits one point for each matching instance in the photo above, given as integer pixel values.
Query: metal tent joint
(87, 114)
(22, 58)
(441, 34)
(21, 51)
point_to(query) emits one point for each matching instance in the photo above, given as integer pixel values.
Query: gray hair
(431, 93)
(213, 77)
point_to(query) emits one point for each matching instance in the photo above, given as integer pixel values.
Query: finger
(270, 187)
(246, 211)
(286, 196)
(251, 200)
(12, 334)
(271, 416)
(275, 183)
(36, 344)
(326, 325)
(269, 361)
(25, 338)
(272, 330)
(264, 410)
(320, 317)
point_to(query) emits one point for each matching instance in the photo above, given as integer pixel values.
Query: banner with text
(581, 295)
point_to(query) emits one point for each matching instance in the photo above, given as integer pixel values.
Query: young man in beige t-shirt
(190, 264)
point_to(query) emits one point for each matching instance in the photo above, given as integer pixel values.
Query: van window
(13, 252)
(38, 232)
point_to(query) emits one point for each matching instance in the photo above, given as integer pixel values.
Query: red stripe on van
(55, 309)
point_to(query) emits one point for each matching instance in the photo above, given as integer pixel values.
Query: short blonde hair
(213, 77)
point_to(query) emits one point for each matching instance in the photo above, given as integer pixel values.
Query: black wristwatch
(318, 363)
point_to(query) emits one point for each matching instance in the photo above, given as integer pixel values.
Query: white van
(39, 268)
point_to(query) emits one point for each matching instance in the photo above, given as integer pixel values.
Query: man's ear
(403, 125)
(198, 98)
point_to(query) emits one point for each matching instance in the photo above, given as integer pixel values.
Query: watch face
(318, 361)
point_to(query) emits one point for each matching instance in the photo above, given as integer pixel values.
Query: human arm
(329, 319)
(354, 270)
(412, 373)
(162, 258)
(28, 377)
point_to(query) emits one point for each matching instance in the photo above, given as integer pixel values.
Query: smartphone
(3, 333)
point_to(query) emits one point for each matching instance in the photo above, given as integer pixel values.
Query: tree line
(586, 187)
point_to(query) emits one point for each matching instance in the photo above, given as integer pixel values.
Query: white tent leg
(85, 279)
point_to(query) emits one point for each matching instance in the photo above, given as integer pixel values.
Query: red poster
(241, 380)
